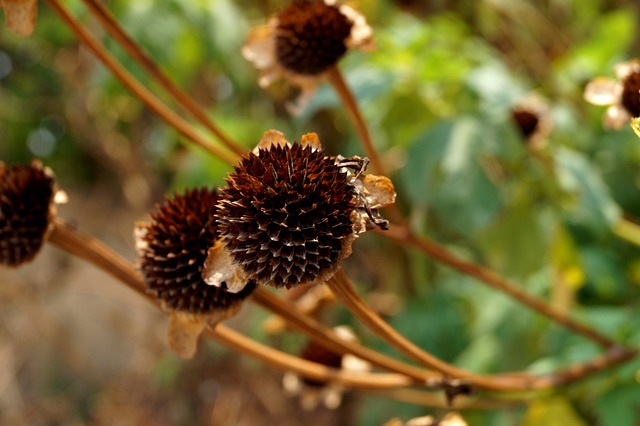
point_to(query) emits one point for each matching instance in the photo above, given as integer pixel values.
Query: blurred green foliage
(437, 94)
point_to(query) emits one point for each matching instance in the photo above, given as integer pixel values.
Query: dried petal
(603, 91)
(20, 15)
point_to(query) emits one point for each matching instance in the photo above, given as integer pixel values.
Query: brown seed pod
(172, 251)
(311, 36)
(26, 211)
(631, 94)
(286, 214)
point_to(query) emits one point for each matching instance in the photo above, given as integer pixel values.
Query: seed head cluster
(173, 250)
(526, 121)
(26, 202)
(311, 36)
(285, 215)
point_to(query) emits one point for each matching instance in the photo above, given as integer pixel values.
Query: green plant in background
(510, 191)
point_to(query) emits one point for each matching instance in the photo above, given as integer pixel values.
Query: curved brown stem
(312, 370)
(344, 291)
(92, 250)
(95, 252)
(349, 101)
(100, 11)
(327, 337)
(405, 235)
(437, 400)
(138, 89)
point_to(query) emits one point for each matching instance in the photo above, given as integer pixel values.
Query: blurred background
(439, 92)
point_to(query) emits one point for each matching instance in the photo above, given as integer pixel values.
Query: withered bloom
(532, 119)
(303, 41)
(290, 214)
(26, 211)
(622, 94)
(20, 15)
(172, 249)
(313, 392)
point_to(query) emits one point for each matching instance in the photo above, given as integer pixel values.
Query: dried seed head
(311, 36)
(526, 121)
(286, 215)
(314, 392)
(172, 251)
(26, 211)
(631, 94)
(318, 353)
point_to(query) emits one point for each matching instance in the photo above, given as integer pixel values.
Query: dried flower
(313, 392)
(20, 15)
(303, 41)
(621, 94)
(450, 419)
(172, 250)
(27, 209)
(531, 117)
(290, 213)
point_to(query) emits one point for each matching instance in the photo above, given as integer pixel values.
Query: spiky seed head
(631, 94)
(526, 121)
(172, 251)
(26, 211)
(311, 36)
(286, 215)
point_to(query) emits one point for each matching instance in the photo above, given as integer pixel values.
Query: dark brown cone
(317, 353)
(285, 214)
(631, 94)
(177, 239)
(311, 36)
(526, 121)
(26, 197)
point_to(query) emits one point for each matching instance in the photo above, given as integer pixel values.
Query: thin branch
(137, 88)
(327, 337)
(406, 236)
(92, 250)
(344, 291)
(438, 400)
(100, 11)
(95, 252)
(349, 101)
(312, 370)
(627, 230)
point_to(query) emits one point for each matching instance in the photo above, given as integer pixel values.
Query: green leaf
(593, 208)
(553, 411)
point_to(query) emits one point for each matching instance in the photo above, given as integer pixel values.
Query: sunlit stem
(405, 236)
(327, 337)
(101, 12)
(628, 231)
(137, 88)
(351, 105)
(286, 362)
(95, 252)
(344, 291)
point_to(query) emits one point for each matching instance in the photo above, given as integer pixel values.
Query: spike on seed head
(26, 211)
(172, 251)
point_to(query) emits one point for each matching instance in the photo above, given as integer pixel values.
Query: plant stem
(100, 11)
(149, 99)
(312, 370)
(349, 101)
(405, 235)
(95, 252)
(344, 291)
(437, 400)
(327, 337)
(628, 231)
